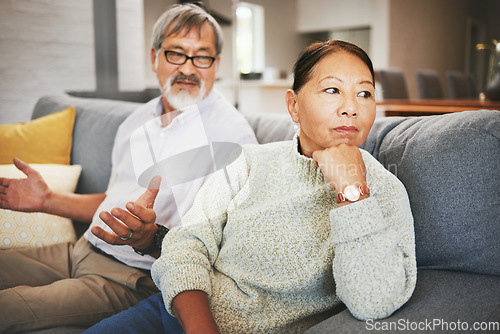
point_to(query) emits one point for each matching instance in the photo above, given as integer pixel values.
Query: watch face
(351, 193)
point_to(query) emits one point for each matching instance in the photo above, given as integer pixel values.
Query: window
(250, 37)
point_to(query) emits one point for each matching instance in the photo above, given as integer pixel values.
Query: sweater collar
(305, 165)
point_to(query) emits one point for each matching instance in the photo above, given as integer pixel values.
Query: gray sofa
(450, 167)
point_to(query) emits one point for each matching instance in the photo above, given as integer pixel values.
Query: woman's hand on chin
(342, 166)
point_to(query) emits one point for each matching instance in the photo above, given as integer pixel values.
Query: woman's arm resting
(193, 312)
(374, 265)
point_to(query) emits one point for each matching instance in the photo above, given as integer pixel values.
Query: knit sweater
(268, 244)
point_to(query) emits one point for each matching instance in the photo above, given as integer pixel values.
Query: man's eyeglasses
(178, 58)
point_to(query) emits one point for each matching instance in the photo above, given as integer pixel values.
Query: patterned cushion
(23, 229)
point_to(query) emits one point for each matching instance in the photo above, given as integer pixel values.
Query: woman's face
(336, 106)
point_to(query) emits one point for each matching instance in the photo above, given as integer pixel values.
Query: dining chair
(471, 84)
(457, 85)
(393, 83)
(429, 84)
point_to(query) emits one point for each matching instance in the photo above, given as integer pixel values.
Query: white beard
(182, 99)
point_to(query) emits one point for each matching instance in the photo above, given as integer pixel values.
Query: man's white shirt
(143, 147)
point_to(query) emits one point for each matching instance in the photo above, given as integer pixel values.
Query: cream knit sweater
(275, 254)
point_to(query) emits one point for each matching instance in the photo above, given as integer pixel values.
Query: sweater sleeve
(190, 249)
(374, 265)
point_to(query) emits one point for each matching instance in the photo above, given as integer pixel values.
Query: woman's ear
(291, 104)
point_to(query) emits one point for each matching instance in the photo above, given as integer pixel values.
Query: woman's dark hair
(310, 57)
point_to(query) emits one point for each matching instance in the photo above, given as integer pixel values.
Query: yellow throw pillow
(35, 229)
(47, 139)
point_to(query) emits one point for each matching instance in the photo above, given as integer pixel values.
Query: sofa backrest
(96, 123)
(269, 127)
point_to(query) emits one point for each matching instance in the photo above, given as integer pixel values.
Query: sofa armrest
(440, 297)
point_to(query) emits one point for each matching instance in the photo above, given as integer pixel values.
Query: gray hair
(182, 16)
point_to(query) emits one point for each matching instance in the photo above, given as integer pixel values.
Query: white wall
(379, 37)
(45, 47)
(326, 15)
(131, 44)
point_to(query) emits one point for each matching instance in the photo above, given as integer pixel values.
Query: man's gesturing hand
(134, 227)
(26, 194)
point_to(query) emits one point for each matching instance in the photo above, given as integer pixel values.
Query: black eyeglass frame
(186, 58)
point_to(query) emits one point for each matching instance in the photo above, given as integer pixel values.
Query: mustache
(190, 78)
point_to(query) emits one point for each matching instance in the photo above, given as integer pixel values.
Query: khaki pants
(65, 285)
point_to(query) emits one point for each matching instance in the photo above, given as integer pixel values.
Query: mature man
(107, 270)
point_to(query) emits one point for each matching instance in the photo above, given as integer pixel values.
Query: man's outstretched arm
(33, 195)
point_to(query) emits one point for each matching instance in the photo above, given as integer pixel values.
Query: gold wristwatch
(352, 193)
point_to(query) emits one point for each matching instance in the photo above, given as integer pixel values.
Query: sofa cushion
(45, 140)
(449, 166)
(96, 123)
(440, 296)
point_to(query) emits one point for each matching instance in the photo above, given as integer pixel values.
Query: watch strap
(157, 241)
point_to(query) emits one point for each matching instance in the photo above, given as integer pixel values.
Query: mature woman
(302, 226)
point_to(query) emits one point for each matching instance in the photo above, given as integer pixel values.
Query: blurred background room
(101, 48)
